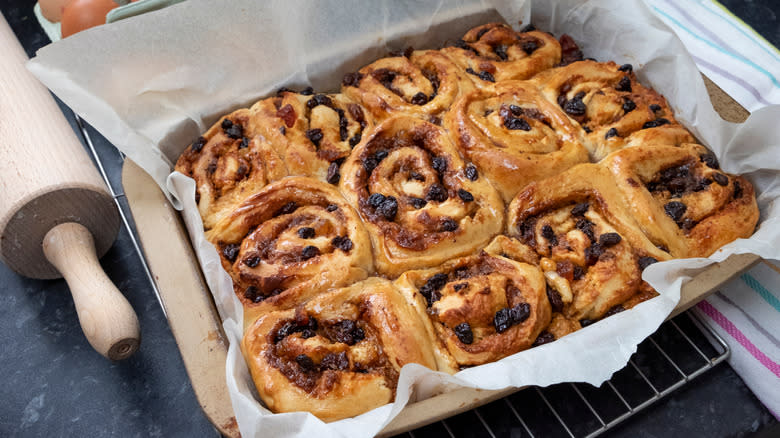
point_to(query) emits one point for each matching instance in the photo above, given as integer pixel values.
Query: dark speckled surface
(53, 384)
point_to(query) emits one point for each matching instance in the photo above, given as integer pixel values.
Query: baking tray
(197, 327)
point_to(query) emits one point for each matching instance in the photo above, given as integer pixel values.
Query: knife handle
(105, 315)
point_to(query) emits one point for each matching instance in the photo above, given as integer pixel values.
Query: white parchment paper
(152, 83)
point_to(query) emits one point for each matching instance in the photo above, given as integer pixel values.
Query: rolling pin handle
(107, 318)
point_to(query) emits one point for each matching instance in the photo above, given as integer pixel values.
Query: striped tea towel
(728, 51)
(745, 311)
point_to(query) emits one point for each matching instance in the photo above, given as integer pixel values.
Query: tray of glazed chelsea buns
(448, 207)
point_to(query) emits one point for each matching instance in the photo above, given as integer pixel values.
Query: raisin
(333, 175)
(346, 331)
(514, 124)
(253, 294)
(309, 252)
(315, 136)
(720, 178)
(570, 52)
(436, 193)
(655, 107)
(449, 225)
(528, 28)
(331, 207)
(465, 195)
(626, 68)
(592, 254)
(575, 106)
(655, 123)
(520, 313)
(687, 224)
(481, 32)
(586, 322)
(624, 84)
(430, 290)
(226, 124)
(464, 333)
(244, 143)
(335, 361)
(343, 243)
(529, 46)
(343, 125)
(517, 111)
(230, 251)
(549, 234)
(283, 130)
(587, 130)
(417, 203)
(252, 261)
(352, 79)
(710, 160)
(306, 232)
(416, 176)
(370, 163)
(283, 90)
(586, 227)
(319, 99)
(286, 330)
(376, 199)
(502, 320)
(305, 362)
(580, 209)
(212, 167)
(500, 51)
(388, 208)
(556, 302)
(287, 208)
(439, 164)
(544, 338)
(675, 210)
(484, 75)
(737, 190)
(609, 239)
(355, 139)
(419, 99)
(628, 105)
(613, 132)
(460, 286)
(308, 91)
(380, 155)
(199, 143)
(471, 172)
(578, 272)
(235, 132)
(526, 230)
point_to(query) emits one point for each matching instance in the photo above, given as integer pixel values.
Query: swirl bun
(229, 163)
(482, 308)
(423, 85)
(614, 110)
(514, 135)
(313, 133)
(293, 239)
(681, 198)
(421, 203)
(591, 251)
(339, 354)
(494, 52)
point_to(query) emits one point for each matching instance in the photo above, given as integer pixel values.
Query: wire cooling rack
(682, 349)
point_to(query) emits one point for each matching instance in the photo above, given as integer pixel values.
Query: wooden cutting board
(197, 328)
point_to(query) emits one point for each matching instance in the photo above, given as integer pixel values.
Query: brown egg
(83, 14)
(52, 9)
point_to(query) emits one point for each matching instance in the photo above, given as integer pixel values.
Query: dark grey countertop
(54, 384)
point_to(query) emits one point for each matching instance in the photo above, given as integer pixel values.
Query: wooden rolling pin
(56, 215)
